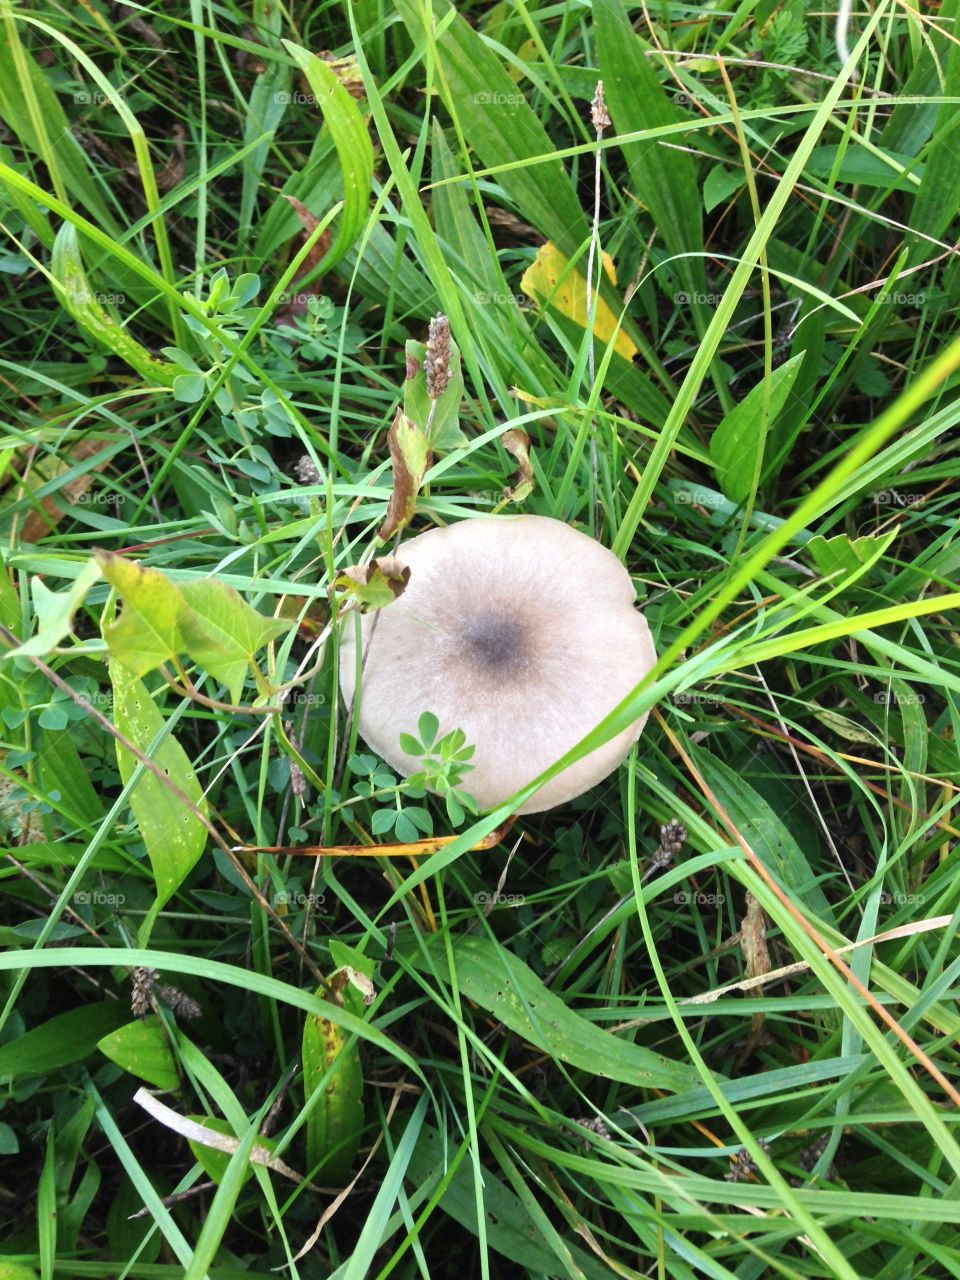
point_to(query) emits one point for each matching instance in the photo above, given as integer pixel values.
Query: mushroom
(518, 630)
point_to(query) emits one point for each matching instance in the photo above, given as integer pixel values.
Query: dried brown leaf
(410, 457)
(517, 443)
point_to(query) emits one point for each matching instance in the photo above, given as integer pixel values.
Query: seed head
(436, 364)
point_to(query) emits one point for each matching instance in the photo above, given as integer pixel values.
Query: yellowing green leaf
(171, 830)
(78, 297)
(841, 555)
(54, 610)
(549, 280)
(222, 632)
(148, 631)
(373, 585)
(517, 442)
(142, 1048)
(335, 1123)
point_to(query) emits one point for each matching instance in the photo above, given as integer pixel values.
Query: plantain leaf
(172, 832)
(60, 1041)
(663, 177)
(737, 441)
(512, 992)
(143, 1050)
(335, 1123)
(67, 271)
(502, 127)
(354, 148)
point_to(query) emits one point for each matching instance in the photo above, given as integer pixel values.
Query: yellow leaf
(549, 279)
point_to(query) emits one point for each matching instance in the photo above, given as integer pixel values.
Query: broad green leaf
(737, 441)
(935, 206)
(444, 426)
(335, 1123)
(62, 770)
(142, 1048)
(501, 126)
(508, 1228)
(512, 992)
(213, 1161)
(172, 832)
(60, 1041)
(54, 610)
(663, 177)
(719, 185)
(354, 148)
(10, 1270)
(80, 300)
(767, 832)
(221, 632)
(842, 555)
(148, 632)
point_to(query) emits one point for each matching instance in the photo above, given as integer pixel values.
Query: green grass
(566, 1054)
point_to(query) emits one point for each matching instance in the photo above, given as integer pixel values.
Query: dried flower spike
(183, 1005)
(143, 980)
(436, 364)
(598, 110)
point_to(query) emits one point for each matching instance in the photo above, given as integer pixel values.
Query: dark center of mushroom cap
(495, 641)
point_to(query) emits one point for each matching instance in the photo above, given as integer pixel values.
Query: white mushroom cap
(518, 630)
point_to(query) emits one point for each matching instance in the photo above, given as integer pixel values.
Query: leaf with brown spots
(298, 299)
(410, 457)
(373, 585)
(517, 443)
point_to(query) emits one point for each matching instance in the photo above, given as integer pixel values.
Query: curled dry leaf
(756, 959)
(297, 299)
(347, 71)
(410, 457)
(36, 471)
(521, 485)
(374, 585)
